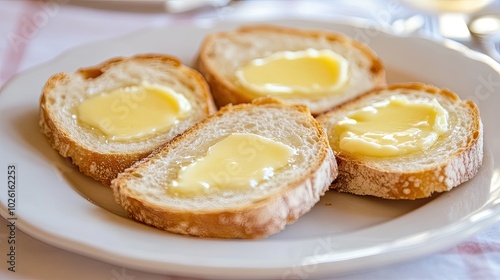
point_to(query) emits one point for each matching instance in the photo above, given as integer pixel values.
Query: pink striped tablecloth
(34, 32)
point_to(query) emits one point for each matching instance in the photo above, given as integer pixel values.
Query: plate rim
(476, 226)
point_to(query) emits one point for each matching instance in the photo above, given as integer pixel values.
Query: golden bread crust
(262, 218)
(102, 167)
(364, 177)
(226, 92)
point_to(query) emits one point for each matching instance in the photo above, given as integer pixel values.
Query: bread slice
(221, 54)
(452, 160)
(251, 213)
(96, 157)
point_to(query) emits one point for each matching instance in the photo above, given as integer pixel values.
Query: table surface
(49, 28)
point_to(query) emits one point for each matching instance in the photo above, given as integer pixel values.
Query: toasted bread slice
(256, 212)
(453, 159)
(221, 54)
(93, 154)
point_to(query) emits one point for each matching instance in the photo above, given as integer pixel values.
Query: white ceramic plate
(342, 234)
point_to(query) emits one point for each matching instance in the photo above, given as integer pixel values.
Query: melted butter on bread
(307, 73)
(392, 127)
(133, 112)
(240, 161)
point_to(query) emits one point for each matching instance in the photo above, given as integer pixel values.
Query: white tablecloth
(34, 32)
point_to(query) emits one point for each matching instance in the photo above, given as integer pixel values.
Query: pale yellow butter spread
(393, 127)
(290, 74)
(133, 112)
(240, 161)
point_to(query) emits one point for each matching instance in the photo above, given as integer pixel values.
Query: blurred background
(27, 24)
